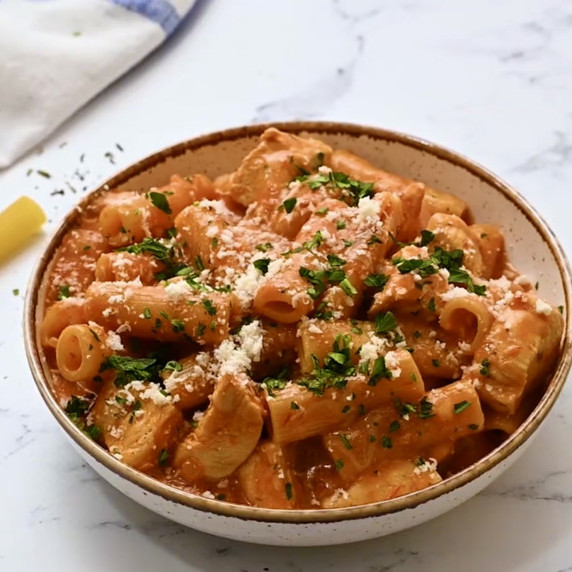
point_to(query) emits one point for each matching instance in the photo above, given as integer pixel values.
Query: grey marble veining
(490, 79)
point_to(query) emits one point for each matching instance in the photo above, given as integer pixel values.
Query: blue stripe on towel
(159, 11)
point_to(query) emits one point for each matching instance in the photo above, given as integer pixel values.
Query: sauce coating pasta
(306, 332)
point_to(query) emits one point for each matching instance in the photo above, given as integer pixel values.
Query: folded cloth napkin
(55, 55)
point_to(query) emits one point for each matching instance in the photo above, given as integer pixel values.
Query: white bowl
(531, 247)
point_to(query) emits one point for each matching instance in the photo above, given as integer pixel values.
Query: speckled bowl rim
(409, 501)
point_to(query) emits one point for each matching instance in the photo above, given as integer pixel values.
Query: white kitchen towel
(55, 55)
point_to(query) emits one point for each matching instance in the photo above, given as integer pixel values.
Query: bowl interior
(530, 245)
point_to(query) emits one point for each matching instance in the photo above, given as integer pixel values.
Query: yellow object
(22, 219)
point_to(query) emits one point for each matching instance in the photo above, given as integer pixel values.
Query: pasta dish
(306, 332)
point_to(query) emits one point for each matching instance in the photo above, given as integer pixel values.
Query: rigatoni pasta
(308, 331)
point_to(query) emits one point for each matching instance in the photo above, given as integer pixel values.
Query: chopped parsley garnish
(351, 190)
(288, 491)
(348, 287)
(339, 465)
(163, 457)
(377, 281)
(431, 305)
(385, 323)
(416, 334)
(322, 211)
(289, 204)
(209, 307)
(64, 292)
(449, 260)
(264, 247)
(346, 441)
(319, 279)
(461, 406)
(336, 368)
(426, 237)
(425, 410)
(386, 442)
(473, 426)
(177, 325)
(147, 313)
(394, 426)
(76, 409)
(15, 291)
(162, 252)
(273, 384)
(160, 201)
(214, 242)
(200, 329)
(199, 263)
(131, 369)
(173, 366)
(436, 363)
(341, 224)
(94, 431)
(379, 371)
(335, 261)
(294, 405)
(262, 265)
(485, 368)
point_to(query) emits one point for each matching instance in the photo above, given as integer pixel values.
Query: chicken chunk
(226, 435)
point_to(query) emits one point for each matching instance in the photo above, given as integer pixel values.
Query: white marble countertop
(490, 79)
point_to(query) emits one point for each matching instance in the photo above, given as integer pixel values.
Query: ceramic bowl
(531, 247)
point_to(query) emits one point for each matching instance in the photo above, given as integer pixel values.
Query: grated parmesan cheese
(542, 307)
(367, 209)
(114, 342)
(178, 290)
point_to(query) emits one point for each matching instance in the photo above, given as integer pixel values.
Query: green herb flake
(348, 287)
(209, 307)
(173, 366)
(16, 291)
(394, 426)
(264, 247)
(341, 224)
(160, 201)
(436, 363)
(339, 465)
(199, 263)
(261, 265)
(131, 369)
(485, 368)
(64, 292)
(425, 410)
(288, 491)
(163, 457)
(294, 405)
(376, 281)
(426, 237)
(461, 406)
(431, 305)
(379, 371)
(147, 313)
(346, 441)
(385, 322)
(386, 442)
(289, 204)
(93, 431)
